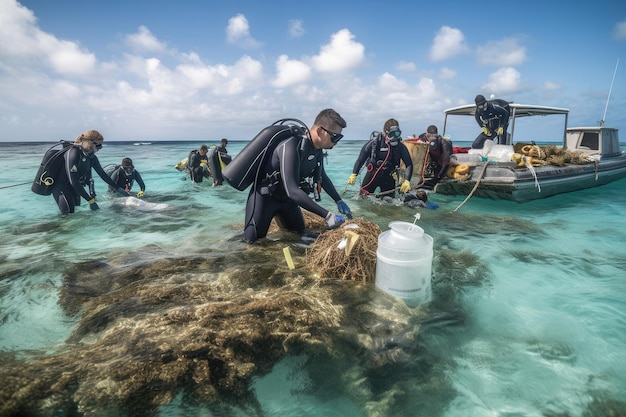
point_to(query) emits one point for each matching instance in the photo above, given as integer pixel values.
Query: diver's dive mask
(394, 134)
(127, 165)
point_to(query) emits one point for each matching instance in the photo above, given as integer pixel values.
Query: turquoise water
(529, 300)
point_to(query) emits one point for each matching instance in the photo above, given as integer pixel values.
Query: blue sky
(147, 70)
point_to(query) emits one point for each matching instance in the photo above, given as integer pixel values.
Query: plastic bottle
(404, 263)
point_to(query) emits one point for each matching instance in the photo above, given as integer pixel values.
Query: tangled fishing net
(346, 253)
(548, 154)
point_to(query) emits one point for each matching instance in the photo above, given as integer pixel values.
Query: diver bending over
(76, 173)
(292, 171)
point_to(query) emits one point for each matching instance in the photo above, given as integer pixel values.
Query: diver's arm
(366, 151)
(72, 162)
(139, 180)
(329, 187)
(95, 164)
(503, 115)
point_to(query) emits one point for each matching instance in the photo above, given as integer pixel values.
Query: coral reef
(203, 325)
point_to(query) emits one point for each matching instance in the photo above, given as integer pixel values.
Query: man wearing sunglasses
(382, 156)
(493, 119)
(294, 169)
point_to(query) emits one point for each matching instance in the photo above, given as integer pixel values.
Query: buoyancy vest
(51, 164)
(384, 154)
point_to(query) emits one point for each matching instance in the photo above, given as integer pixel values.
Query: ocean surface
(157, 308)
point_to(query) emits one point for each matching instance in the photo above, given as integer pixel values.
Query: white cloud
(504, 53)
(503, 81)
(238, 33)
(290, 72)
(552, 86)
(50, 87)
(620, 30)
(296, 28)
(342, 53)
(447, 73)
(405, 66)
(23, 43)
(145, 41)
(448, 43)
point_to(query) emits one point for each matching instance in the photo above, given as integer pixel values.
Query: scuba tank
(215, 167)
(244, 168)
(51, 165)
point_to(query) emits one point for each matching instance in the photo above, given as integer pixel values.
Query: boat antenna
(609, 96)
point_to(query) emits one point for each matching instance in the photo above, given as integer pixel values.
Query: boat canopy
(517, 111)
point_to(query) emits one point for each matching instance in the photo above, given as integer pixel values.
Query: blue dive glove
(343, 208)
(333, 221)
(432, 206)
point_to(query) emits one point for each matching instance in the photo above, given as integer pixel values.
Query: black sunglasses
(334, 137)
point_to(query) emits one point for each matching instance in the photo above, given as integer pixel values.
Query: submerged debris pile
(202, 326)
(347, 253)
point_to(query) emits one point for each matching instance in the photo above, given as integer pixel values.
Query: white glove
(334, 221)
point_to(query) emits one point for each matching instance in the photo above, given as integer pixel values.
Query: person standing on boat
(439, 152)
(282, 185)
(493, 118)
(198, 164)
(382, 156)
(124, 175)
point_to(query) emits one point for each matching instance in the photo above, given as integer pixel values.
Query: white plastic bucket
(404, 263)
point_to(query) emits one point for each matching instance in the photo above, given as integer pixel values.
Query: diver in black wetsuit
(69, 187)
(439, 151)
(125, 175)
(493, 118)
(198, 164)
(294, 170)
(382, 156)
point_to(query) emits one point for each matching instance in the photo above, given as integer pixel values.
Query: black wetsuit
(76, 174)
(382, 161)
(496, 115)
(283, 186)
(124, 180)
(197, 166)
(439, 151)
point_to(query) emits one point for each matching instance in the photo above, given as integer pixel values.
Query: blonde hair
(85, 139)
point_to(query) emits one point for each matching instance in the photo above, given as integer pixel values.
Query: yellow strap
(288, 258)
